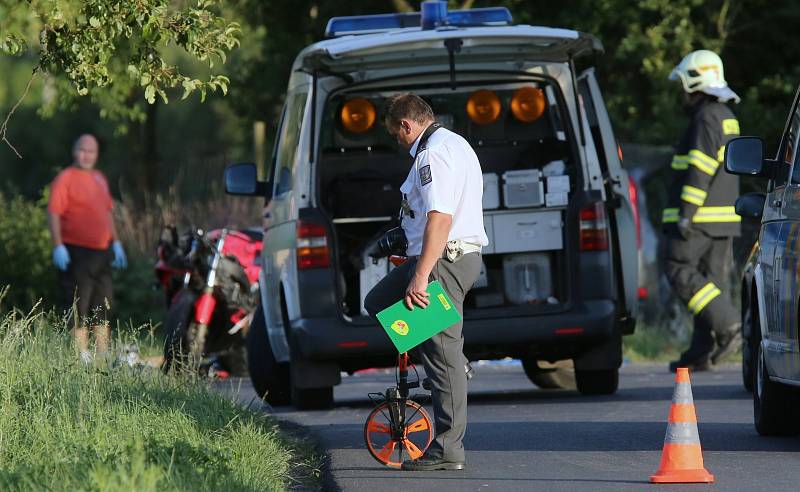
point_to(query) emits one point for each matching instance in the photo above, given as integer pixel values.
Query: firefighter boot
(727, 342)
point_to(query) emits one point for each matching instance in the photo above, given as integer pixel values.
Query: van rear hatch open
(531, 172)
(352, 54)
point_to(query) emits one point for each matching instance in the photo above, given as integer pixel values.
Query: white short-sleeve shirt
(446, 177)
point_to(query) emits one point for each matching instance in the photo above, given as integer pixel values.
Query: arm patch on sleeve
(425, 176)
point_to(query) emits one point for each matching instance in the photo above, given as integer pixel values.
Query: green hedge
(25, 253)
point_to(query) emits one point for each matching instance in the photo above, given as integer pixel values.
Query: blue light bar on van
(490, 16)
(434, 14)
(366, 24)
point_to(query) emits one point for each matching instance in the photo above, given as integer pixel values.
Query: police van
(559, 277)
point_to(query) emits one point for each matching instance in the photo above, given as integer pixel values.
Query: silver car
(771, 282)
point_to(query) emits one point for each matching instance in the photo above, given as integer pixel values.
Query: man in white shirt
(442, 217)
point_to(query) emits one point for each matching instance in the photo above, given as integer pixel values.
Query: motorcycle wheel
(234, 358)
(177, 325)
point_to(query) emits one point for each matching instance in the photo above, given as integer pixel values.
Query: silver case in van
(527, 231)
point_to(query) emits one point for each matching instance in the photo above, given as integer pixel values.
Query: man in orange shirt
(85, 244)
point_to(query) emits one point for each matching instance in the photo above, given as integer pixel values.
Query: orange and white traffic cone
(682, 458)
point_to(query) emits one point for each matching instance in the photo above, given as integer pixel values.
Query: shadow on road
(586, 436)
(701, 392)
(389, 474)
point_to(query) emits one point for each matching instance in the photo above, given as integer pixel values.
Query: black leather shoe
(727, 343)
(468, 369)
(426, 463)
(697, 365)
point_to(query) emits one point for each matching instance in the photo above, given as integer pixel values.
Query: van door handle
(777, 203)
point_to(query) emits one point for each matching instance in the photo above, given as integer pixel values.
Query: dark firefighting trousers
(698, 269)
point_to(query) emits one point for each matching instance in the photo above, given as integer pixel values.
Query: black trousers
(86, 285)
(698, 269)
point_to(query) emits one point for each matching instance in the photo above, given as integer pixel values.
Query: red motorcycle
(210, 283)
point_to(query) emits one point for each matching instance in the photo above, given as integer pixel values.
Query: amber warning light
(528, 104)
(357, 115)
(483, 107)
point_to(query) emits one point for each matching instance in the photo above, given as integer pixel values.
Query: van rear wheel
(597, 382)
(560, 375)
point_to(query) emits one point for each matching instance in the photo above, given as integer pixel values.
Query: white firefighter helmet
(701, 71)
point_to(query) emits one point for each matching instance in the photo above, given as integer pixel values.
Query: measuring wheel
(397, 427)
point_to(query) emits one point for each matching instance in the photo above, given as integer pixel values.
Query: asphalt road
(523, 438)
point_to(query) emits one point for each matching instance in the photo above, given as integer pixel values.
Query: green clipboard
(409, 328)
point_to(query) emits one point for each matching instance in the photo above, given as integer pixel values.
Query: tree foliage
(96, 42)
(643, 40)
(115, 51)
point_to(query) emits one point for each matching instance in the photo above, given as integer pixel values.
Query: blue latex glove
(61, 257)
(120, 260)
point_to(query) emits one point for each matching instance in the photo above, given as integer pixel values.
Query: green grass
(67, 426)
(650, 344)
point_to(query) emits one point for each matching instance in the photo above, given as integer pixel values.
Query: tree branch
(402, 6)
(723, 21)
(4, 126)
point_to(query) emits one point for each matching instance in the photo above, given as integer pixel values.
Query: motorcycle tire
(234, 358)
(177, 325)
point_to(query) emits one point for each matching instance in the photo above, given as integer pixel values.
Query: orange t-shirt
(82, 200)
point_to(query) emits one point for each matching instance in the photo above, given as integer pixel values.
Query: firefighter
(699, 220)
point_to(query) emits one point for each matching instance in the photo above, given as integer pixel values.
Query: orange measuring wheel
(398, 425)
(395, 428)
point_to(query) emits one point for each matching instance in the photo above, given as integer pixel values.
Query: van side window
(788, 153)
(288, 140)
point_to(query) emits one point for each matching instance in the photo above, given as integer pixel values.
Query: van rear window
(503, 141)
(509, 114)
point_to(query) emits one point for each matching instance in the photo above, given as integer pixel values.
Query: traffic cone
(682, 458)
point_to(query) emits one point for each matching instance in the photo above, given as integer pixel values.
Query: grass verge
(108, 426)
(652, 344)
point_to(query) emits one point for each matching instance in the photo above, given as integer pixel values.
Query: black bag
(364, 193)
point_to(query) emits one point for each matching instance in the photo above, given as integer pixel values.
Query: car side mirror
(242, 179)
(745, 156)
(750, 205)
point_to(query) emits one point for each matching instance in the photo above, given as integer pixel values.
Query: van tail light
(593, 228)
(312, 245)
(633, 191)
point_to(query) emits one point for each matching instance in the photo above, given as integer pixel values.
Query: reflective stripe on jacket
(700, 189)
